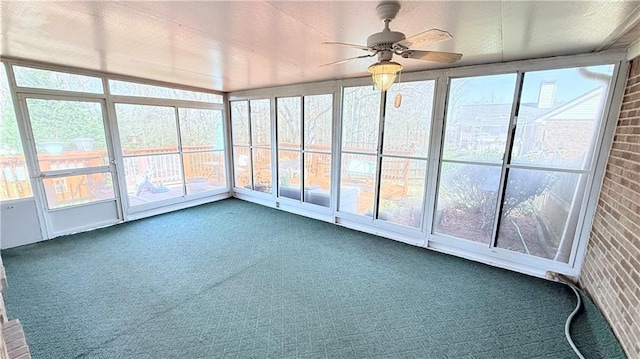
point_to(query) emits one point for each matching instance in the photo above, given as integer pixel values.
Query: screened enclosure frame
(303, 150)
(606, 127)
(32, 155)
(381, 153)
(110, 125)
(273, 199)
(425, 236)
(250, 146)
(176, 105)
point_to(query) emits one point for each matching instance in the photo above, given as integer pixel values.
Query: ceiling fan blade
(345, 60)
(436, 56)
(425, 38)
(359, 47)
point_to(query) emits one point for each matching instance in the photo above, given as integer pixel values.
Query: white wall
(19, 223)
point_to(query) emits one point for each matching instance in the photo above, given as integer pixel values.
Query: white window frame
(301, 203)
(425, 238)
(113, 135)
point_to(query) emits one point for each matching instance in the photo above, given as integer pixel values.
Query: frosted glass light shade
(384, 74)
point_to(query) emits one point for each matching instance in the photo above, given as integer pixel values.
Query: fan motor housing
(384, 39)
(387, 10)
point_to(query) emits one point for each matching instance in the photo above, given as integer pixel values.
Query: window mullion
(378, 179)
(301, 150)
(506, 157)
(184, 179)
(250, 144)
(273, 146)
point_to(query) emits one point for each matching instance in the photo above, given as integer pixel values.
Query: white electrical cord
(567, 325)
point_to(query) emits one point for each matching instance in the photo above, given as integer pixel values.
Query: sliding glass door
(170, 152)
(149, 144)
(202, 145)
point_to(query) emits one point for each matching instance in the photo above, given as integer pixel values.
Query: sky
(500, 88)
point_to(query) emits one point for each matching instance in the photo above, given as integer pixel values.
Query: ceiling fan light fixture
(386, 43)
(384, 74)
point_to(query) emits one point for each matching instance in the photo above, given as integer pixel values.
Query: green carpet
(239, 280)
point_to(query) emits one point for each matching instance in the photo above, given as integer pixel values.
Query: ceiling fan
(386, 43)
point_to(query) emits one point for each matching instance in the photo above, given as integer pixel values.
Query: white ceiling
(236, 45)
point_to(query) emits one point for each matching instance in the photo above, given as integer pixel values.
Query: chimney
(547, 95)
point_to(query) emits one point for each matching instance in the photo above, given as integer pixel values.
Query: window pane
(318, 116)
(402, 191)
(240, 122)
(68, 134)
(478, 118)
(242, 167)
(153, 178)
(261, 170)
(540, 212)
(53, 80)
(407, 128)
(261, 123)
(147, 129)
(360, 118)
(357, 183)
(317, 179)
(14, 180)
(467, 200)
(201, 129)
(289, 117)
(81, 189)
(560, 115)
(125, 88)
(204, 171)
(289, 173)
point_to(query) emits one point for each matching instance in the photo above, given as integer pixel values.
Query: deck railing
(164, 164)
(14, 180)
